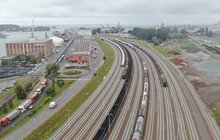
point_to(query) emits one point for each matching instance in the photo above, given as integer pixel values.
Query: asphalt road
(65, 97)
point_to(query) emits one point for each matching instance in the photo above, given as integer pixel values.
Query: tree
(50, 92)
(4, 108)
(98, 30)
(149, 33)
(60, 83)
(52, 72)
(19, 90)
(183, 32)
(10, 103)
(28, 88)
(94, 31)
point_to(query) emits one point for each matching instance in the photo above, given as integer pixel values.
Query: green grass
(72, 72)
(11, 90)
(165, 51)
(16, 102)
(42, 105)
(187, 45)
(216, 113)
(47, 128)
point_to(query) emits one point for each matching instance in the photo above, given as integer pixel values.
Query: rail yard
(142, 97)
(152, 101)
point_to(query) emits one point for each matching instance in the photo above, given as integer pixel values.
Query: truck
(40, 89)
(24, 106)
(34, 96)
(9, 118)
(44, 82)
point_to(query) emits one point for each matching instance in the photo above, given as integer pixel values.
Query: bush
(50, 92)
(10, 103)
(4, 108)
(28, 88)
(21, 94)
(72, 72)
(60, 83)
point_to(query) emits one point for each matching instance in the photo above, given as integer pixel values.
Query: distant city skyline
(129, 12)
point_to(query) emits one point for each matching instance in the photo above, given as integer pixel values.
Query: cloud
(112, 11)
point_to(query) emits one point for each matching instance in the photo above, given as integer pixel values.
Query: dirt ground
(207, 87)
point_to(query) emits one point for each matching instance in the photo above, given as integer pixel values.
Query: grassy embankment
(216, 113)
(187, 45)
(42, 105)
(164, 50)
(47, 128)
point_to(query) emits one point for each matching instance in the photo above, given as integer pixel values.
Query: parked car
(4, 89)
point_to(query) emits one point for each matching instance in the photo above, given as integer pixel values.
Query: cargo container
(9, 118)
(34, 96)
(44, 82)
(40, 89)
(24, 106)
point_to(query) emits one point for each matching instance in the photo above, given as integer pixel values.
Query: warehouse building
(57, 42)
(43, 47)
(80, 53)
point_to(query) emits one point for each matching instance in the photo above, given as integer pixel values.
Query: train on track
(24, 105)
(162, 77)
(123, 61)
(100, 135)
(139, 127)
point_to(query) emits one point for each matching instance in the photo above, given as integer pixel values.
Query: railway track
(96, 108)
(123, 126)
(179, 112)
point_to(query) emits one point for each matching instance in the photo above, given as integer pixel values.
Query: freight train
(24, 105)
(139, 127)
(162, 77)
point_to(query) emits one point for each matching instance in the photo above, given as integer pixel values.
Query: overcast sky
(135, 12)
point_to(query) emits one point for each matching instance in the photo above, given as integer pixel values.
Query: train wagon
(163, 80)
(138, 128)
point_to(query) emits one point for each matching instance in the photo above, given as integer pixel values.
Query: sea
(23, 36)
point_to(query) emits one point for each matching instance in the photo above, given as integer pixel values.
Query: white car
(52, 105)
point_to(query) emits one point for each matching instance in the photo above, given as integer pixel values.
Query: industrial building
(43, 47)
(80, 53)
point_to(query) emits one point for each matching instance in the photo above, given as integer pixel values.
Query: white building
(57, 42)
